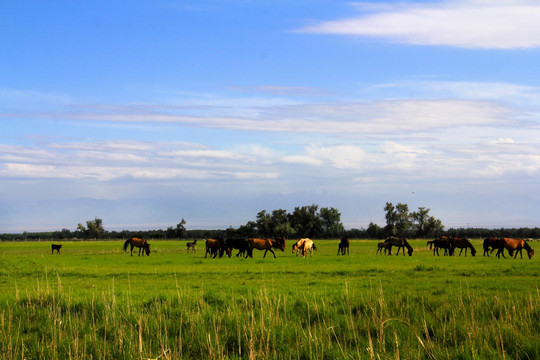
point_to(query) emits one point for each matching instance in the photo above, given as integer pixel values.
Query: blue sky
(144, 113)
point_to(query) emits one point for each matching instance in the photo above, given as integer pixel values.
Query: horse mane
(407, 245)
(527, 246)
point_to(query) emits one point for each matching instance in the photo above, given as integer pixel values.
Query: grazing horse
(55, 247)
(463, 243)
(492, 243)
(305, 245)
(215, 246)
(382, 245)
(445, 243)
(516, 245)
(401, 243)
(266, 245)
(142, 244)
(343, 246)
(430, 244)
(190, 246)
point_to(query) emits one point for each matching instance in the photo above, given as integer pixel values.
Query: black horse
(400, 242)
(238, 243)
(490, 245)
(55, 247)
(343, 246)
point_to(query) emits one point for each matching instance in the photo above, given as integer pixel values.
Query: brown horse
(266, 245)
(142, 244)
(190, 246)
(516, 245)
(463, 243)
(215, 246)
(343, 246)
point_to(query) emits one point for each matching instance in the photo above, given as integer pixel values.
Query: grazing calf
(55, 247)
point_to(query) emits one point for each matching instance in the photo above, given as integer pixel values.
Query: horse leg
(131, 249)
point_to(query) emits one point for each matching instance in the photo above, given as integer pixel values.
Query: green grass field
(94, 301)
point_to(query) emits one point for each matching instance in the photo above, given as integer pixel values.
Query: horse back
(260, 244)
(138, 242)
(512, 244)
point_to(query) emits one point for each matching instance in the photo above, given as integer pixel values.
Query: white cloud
(465, 24)
(339, 157)
(377, 117)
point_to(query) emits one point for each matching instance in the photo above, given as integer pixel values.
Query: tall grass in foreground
(50, 323)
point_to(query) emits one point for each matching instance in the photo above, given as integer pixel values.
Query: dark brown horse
(55, 247)
(142, 244)
(190, 246)
(266, 245)
(238, 243)
(443, 242)
(343, 246)
(383, 246)
(463, 243)
(490, 243)
(217, 246)
(400, 242)
(516, 245)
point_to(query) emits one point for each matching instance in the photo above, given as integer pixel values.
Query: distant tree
(180, 229)
(305, 221)
(424, 224)
(264, 223)
(330, 222)
(398, 221)
(93, 230)
(247, 231)
(374, 231)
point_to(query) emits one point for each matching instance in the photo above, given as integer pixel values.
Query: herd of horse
(450, 243)
(219, 246)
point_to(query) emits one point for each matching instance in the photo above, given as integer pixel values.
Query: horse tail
(126, 244)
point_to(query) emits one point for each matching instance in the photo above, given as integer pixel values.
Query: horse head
(147, 249)
(280, 243)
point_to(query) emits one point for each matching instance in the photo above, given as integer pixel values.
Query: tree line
(305, 221)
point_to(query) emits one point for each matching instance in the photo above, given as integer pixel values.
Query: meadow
(94, 301)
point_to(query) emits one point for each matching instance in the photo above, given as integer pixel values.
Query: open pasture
(96, 301)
